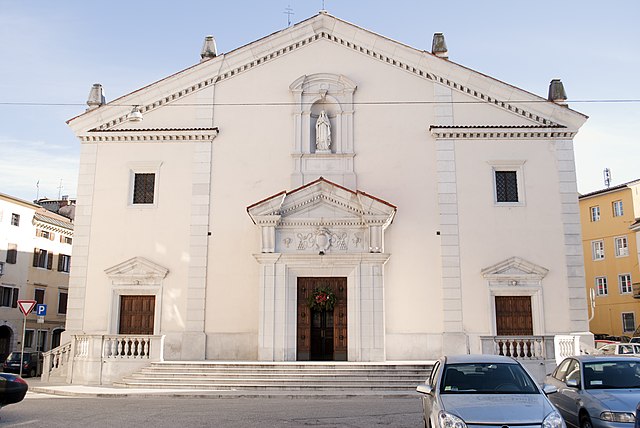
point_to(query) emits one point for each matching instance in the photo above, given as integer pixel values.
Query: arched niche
(312, 94)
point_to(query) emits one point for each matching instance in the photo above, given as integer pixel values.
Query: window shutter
(62, 303)
(35, 257)
(59, 262)
(50, 261)
(14, 301)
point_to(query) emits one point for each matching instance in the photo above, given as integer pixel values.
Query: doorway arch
(6, 336)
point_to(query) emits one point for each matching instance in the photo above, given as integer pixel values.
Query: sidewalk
(36, 386)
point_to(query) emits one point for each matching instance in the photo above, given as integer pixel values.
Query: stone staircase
(399, 378)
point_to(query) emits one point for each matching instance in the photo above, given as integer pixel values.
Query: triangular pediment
(137, 271)
(516, 269)
(322, 202)
(184, 87)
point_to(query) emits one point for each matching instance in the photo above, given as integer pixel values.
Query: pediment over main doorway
(322, 217)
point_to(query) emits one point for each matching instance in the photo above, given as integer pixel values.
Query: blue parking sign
(41, 310)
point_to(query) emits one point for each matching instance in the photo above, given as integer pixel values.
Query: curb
(338, 395)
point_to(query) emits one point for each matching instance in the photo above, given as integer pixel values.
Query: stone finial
(439, 46)
(209, 49)
(96, 97)
(557, 93)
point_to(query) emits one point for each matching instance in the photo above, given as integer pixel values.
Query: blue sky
(52, 52)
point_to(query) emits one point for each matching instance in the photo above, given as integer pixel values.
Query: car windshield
(486, 378)
(612, 375)
(15, 357)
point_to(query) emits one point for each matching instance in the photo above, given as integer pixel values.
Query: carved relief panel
(321, 240)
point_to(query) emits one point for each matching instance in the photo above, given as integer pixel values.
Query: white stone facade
(403, 203)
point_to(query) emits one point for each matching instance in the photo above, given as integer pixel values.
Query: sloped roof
(608, 189)
(46, 216)
(327, 27)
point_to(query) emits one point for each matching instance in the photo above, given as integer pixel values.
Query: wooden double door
(322, 334)
(513, 316)
(137, 314)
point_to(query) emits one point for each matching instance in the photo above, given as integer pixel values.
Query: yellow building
(609, 227)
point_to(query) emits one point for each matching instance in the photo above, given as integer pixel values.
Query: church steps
(356, 377)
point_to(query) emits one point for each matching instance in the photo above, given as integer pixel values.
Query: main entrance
(322, 333)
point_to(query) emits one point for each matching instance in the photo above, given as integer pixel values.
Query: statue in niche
(323, 133)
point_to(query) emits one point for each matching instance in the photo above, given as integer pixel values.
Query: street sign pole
(26, 306)
(24, 333)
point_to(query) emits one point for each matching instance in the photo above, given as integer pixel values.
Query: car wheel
(585, 422)
(32, 373)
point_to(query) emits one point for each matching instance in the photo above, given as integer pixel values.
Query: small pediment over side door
(137, 271)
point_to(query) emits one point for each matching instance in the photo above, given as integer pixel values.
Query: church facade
(326, 193)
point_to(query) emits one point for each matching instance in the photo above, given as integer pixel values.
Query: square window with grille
(143, 188)
(506, 186)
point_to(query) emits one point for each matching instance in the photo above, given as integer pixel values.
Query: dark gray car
(487, 391)
(596, 391)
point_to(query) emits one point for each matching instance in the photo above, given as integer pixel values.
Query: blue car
(597, 391)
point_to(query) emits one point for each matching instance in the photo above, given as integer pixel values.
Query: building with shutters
(609, 234)
(325, 193)
(35, 260)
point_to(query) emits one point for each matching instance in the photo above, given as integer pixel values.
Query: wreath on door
(322, 299)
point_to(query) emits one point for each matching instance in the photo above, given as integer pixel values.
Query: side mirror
(549, 389)
(573, 383)
(424, 389)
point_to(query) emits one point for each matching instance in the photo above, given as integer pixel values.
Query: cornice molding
(342, 259)
(53, 228)
(151, 136)
(316, 198)
(491, 134)
(324, 35)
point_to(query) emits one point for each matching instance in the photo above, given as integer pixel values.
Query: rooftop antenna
(288, 11)
(607, 177)
(37, 190)
(60, 189)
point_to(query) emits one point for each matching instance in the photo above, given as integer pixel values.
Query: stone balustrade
(102, 359)
(518, 347)
(56, 362)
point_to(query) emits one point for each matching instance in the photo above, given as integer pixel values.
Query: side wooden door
(513, 316)
(137, 314)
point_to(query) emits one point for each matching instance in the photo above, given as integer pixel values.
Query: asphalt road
(38, 410)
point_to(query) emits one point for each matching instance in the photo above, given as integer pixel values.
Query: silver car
(486, 391)
(597, 391)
